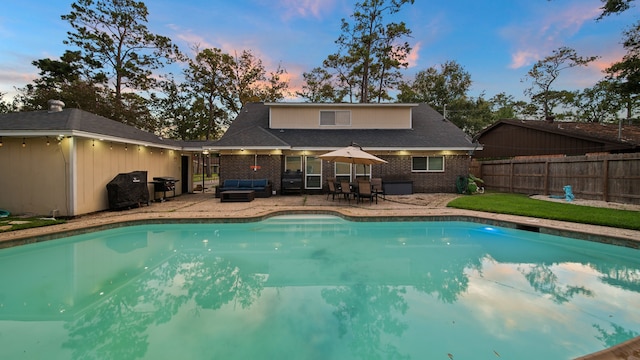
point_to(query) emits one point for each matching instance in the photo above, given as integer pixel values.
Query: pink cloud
(548, 31)
(523, 57)
(305, 8)
(414, 55)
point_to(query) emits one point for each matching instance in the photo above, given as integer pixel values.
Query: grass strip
(18, 223)
(519, 204)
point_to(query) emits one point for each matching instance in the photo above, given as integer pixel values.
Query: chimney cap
(55, 105)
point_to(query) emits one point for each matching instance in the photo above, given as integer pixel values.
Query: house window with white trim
(363, 171)
(293, 164)
(343, 172)
(313, 175)
(335, 118)
(427, 164)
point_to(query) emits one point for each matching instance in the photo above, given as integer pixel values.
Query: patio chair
(332, 189)
(345, 190)
(376, 185)
(365, 191)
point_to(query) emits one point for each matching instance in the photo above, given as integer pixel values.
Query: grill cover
(128, 189)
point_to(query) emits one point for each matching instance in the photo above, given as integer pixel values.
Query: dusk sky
(496, 41)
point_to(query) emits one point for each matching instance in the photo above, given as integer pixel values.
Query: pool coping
(620, 237)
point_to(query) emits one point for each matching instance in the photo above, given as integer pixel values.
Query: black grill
(162, 184)
(127, 190)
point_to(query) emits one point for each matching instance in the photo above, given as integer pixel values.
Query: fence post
(546, 178)
(605, 179)
(511, 176)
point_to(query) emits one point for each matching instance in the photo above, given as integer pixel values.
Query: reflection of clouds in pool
(507, 305)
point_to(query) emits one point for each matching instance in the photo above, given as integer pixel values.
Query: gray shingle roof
(430, 131)
(78, 123)
(628, 135)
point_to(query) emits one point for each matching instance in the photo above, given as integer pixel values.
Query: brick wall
(239, 167)
(398, 168)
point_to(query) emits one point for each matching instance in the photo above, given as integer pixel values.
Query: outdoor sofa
(262, 187)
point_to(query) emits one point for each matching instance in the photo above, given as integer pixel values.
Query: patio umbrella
(352, 155)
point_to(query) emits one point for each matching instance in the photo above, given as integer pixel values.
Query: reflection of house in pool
(66, 295)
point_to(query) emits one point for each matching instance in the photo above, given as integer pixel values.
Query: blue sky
(496, 41)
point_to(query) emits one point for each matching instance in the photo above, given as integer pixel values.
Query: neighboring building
(267, 140)
(509, 138)
(58, 162)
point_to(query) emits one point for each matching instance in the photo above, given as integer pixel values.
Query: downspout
(72, 174)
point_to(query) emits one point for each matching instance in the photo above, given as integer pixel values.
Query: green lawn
(18, 223)
(518, 204)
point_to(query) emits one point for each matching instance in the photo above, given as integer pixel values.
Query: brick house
(280, 140)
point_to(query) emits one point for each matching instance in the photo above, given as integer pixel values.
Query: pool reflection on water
(316, 287)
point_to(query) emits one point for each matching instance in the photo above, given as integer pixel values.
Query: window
(293, 164)
(427, 163)
(335, 118)
(343, 172)
(313, 175)
(363, 171)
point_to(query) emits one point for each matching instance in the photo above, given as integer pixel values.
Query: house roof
(430, 131)
(76, 122)
(627, 136)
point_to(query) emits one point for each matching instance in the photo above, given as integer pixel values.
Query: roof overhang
(334, 105)
(217, 148)
(331, 148)
(86, 135)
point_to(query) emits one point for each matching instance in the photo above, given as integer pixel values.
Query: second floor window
(335, 118)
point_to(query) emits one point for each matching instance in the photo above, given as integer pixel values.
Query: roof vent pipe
(55, 105)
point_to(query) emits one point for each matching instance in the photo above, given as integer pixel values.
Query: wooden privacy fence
(608, 177)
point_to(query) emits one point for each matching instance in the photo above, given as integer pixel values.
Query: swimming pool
(316, 287)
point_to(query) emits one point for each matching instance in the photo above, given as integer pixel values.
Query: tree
(221, 84)
(544, 73)
(249, 83)
(210, 77)
(276, 86)
(438, 88)
(64, 80)
(370, 49)
(116, 46)
(627, 71)
(598, 104)
(344, 73)
(469, 114)
(505, 106)
(318, 87)
(5, 107)
(611, 7)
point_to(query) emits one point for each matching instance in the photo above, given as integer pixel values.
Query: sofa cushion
(230, 183)
(260, 183)
(245, 184)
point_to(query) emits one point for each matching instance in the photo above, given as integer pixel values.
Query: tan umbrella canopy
(352, 155)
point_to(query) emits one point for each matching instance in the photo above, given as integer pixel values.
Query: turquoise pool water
(316, 288)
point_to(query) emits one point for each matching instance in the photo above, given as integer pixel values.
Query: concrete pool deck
(202, 207)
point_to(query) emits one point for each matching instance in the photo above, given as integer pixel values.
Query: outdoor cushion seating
(262, 187)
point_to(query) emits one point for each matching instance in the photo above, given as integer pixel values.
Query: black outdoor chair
(333, 190)
(345, 190)
(365, 191)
